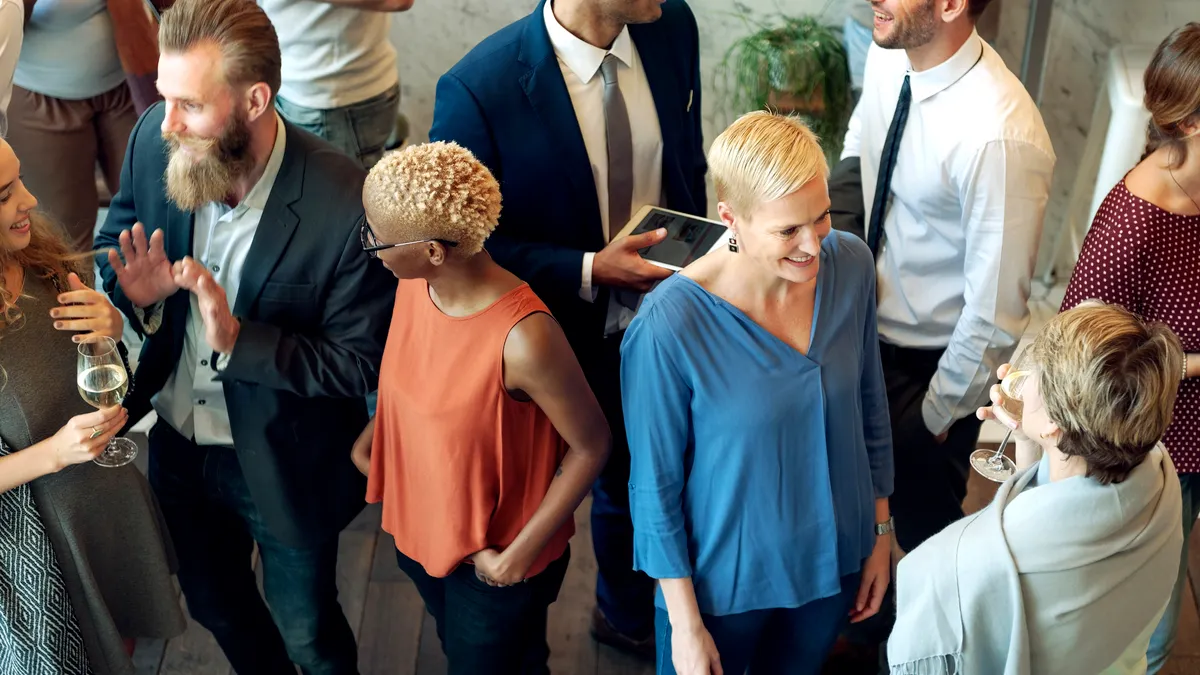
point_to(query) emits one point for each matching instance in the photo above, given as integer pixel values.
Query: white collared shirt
(580, 63)
(964, 218)
(192, 401)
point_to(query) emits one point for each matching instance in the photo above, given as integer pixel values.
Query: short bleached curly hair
(433, 191)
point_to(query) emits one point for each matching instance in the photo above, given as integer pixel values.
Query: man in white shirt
(339, 71)
(264, 326)
(587, 110)
(955, 232)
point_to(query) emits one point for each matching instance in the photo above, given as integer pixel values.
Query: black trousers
(490, 630)
(931, 477)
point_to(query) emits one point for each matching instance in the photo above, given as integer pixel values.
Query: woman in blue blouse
(758, 423)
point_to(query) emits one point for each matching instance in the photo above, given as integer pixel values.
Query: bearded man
(264, 326)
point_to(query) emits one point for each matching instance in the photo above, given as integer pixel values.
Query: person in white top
(956, 167)
(12, 31)
(339, 71)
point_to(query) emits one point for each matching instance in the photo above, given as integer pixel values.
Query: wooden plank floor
(397, 637)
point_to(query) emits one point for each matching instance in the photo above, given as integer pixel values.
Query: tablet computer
(688, 236)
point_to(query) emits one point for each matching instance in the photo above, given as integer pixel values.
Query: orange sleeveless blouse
(459, 464)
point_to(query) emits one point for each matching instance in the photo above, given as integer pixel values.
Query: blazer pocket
(274, 291)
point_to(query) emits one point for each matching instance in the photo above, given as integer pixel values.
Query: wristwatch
(883, 528)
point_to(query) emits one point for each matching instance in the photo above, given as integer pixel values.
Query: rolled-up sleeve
(656, 398)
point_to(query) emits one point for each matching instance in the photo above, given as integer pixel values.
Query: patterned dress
(1147, 260)
(85, 559)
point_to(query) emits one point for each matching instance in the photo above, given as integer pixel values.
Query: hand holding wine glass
(84, 437)
(1007, 407)
(103, 382)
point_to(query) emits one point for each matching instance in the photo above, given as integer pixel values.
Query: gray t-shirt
(69, 51)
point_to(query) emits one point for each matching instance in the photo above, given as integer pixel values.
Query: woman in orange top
(477, 384)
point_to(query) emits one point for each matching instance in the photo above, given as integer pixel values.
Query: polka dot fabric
(1148, 260)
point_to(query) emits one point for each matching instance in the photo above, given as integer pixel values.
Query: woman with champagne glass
(85, 566)
(1070, 568)
(1143, 253)
(758, 423)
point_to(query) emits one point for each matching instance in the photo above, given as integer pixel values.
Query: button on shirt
(192, 401)
(580, 63)
(964, 218)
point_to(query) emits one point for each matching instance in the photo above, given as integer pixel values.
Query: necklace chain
(1185, 192)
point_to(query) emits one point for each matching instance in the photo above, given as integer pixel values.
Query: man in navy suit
(587, 110)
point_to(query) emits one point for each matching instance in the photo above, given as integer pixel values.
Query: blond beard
(210, 176)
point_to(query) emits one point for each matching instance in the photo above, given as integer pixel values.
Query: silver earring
(733, 244)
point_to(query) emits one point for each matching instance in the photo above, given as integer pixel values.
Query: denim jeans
(795, 640)
(360, 130)
(488, 630)
(214, 524)
(1163, 639)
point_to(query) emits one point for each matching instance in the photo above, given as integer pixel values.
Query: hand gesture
(85, 436)
(876, 573)
(145, 276)
(220, 328)
(620, 265)
(693, 652)
(88, 311)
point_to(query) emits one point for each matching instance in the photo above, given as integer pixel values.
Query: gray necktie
(620, 149)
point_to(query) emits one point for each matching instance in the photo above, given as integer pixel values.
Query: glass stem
(1000, 451)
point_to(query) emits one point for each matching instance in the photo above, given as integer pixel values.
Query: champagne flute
(993, 465)
(102, 381)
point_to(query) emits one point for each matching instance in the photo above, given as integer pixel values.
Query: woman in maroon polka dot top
(1143, 252)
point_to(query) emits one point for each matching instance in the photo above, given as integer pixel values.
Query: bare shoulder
(534, 341)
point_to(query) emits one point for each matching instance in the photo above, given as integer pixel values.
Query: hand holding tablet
(687, 237)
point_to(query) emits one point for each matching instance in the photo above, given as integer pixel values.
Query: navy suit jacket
(507, 102)
(314, 310)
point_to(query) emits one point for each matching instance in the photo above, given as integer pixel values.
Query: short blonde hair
(433, 191)
(1108, 380)
(764, 156)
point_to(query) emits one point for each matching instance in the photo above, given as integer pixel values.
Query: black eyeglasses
(372, 247)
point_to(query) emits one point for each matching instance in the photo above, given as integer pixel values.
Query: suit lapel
(668, 102)
(276, 226)
(547, 93)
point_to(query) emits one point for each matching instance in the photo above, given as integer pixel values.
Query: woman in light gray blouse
(85, 564)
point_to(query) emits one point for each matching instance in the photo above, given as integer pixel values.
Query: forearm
(26, 465)
(1192, 361)
(882, 512)
(575, 477)
(682, 608)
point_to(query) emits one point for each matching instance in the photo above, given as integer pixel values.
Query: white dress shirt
(580, 63)
(192, 401)
(964, 218)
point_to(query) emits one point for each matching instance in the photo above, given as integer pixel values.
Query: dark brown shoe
(604, 633)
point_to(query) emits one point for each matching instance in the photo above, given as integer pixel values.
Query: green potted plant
(792, 65)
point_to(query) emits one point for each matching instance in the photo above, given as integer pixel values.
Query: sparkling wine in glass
(993, 465)
(103, 382)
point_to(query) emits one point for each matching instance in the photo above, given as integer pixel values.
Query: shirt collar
(582, 58)
(257, 197)
(929, 82)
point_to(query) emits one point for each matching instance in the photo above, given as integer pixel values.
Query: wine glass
(992, 464)
(102, 383)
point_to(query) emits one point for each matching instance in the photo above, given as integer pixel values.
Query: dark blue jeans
(214, 524)
(360, 130)
(488, 630)
(769, 641)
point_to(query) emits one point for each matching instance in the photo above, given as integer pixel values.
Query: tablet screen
(688, 237)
